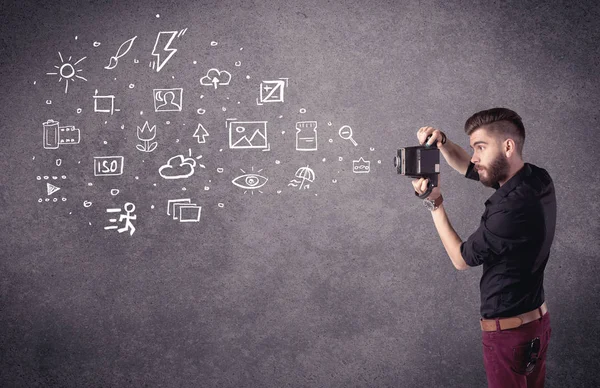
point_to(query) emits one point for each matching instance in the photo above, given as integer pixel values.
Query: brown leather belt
(513, 322)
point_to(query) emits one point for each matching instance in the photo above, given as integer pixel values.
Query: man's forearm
(456, 156)
(449, 238)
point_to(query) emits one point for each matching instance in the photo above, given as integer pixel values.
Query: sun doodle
(67, 71)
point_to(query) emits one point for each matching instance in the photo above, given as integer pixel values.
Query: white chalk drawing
(179, 167)
(54, 135)
(114, 192)
(108, 165)
(361, 166)
(306, 136)
(247, 134)
(129, 208)
(87, 204)
(216, 78)
(146, 134)
(121, 51)
(304, 175)
(162, 48)
(250, 181)
(68, 71)
(51, 189)
(345, 133)
(201, 132)
(168, 100)
(272, 91)
(183, 210)
(104, 104)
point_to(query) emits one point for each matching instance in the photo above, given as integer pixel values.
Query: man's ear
(508, 147)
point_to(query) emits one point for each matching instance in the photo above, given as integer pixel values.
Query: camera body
(419, 162)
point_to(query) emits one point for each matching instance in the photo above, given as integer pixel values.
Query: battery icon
(55, 135)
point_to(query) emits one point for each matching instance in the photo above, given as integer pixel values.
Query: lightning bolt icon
(163, 36)
(201, 131)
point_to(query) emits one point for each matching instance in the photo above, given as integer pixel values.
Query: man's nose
(474, 159)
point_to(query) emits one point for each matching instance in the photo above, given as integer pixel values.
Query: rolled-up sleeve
(500, 232)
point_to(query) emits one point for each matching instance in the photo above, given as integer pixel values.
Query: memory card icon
(55, 135)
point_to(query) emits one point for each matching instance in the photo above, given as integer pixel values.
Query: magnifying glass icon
(346, 134)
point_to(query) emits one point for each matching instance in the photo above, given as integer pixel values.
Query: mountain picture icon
(249, 134)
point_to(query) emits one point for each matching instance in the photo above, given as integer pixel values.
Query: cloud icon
(216, 77)
(177, 167)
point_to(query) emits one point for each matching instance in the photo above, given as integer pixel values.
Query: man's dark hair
(502, 123)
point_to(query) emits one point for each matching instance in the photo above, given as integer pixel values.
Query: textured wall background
(343, 284)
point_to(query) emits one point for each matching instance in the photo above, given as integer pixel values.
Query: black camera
(419, 162)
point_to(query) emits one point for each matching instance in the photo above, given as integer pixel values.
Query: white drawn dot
(151, 206)
(195, 62)
(122, 126)
(45, 176)
(131, 86)
(154, 185)
(105, 122)
(220, 149)
(135, 60)
(48, 102)
(63, 199)
(329, 123)
(247, 77)
(114, 192)
(277, 162)
(54, 199)
(334, 180)
(54, 177)
(324, 159)
(379, 162)
(283, 132)
(176, 140)
(340, 158)
(201, 111)
(302, 110)
(206, 188)
(219, 170)
(224, 109)
(167, 122)
(238, 63)
(33, 158)
(331, 140)
(202, 96)
(87, 204)
(115, 78)
(90, 223)
(79, 110)
(96, 44)
(39, 178)
(75, 37)
(34, 82)
(278, 191)
(238, 102)
(183, 189)
(372, 148)
(40, 200)
(105, 142)
(221, 205)
(64, 177)
(141, 112)
(241, 48)
(47, 199)
(280, 116)
(157, 15)
(137, 177)
(90, 184)
(213, 43)
(173, 77)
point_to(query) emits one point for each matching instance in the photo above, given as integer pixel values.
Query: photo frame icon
(248, 134)
(168, 100)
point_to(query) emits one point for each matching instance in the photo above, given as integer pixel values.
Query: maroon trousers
(505, 355)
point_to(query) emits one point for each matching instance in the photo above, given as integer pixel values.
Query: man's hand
(420, 186)
(436, 136)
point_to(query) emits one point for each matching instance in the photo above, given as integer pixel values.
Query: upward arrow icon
(51, 188)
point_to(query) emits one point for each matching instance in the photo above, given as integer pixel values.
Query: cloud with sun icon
(67, 71)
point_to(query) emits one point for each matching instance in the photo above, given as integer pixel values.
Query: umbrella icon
(304, 174)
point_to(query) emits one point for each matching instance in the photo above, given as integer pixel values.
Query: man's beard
(497, 171)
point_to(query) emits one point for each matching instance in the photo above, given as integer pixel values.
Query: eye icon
(250, 181)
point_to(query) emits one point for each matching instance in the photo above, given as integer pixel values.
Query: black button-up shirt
(513, 242)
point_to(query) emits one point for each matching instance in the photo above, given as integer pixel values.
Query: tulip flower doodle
(146, 135)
